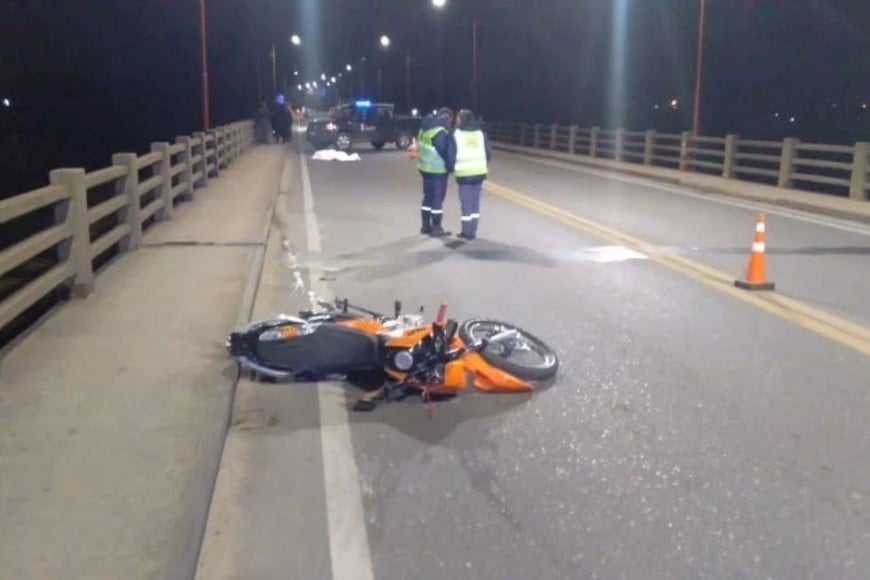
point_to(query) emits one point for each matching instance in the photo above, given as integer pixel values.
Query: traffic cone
(755, 269)
(413, 149)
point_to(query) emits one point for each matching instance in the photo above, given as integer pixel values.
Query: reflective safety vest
(470, 153)
(428, 159)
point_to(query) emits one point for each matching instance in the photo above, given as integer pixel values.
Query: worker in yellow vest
(434, 166)
(473, 153)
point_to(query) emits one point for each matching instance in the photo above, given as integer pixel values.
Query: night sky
(90, 77)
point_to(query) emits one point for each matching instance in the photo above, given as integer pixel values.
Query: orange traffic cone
(755, 269)
(413, 150)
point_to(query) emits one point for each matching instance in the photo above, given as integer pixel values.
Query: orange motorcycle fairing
(491, 379)
(455, 379)
(369, 325)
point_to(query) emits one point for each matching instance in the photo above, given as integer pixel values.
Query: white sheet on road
(333, 155)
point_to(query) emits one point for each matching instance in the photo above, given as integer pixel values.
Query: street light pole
(408, 80)
(474, 65)
(204, 50)
(259, 79)
(274, 74)
(698, 69)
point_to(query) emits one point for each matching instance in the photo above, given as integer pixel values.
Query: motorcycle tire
(549, 367)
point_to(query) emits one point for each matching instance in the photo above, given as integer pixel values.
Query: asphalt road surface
(694, 430)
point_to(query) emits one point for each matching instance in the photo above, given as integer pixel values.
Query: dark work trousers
(434, 191)
(469, 199)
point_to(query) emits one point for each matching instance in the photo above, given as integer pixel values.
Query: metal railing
(833, 169)
(97, 211)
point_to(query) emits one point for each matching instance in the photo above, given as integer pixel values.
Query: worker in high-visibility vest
(473, 153)
(432, 161)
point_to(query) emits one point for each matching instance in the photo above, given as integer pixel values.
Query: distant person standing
(436, 149)
(281, 119)
(473, 152)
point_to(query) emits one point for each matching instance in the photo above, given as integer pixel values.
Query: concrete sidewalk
(819, 203)
(113, 411)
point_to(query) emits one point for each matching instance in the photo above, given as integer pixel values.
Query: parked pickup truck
(363, 122)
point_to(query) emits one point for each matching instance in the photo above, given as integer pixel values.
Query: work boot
(427, 226)
(437, 231)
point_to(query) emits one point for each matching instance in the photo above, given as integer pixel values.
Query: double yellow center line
(843, 331)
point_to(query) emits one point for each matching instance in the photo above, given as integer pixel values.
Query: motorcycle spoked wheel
(511, 356)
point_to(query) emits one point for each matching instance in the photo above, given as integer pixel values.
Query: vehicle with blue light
(363, 122)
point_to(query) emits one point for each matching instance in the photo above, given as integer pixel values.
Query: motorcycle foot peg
(365, 405)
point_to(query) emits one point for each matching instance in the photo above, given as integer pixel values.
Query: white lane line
(286, 176)
(348, 538)
(845, 225)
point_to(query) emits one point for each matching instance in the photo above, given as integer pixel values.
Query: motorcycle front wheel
(525, 356)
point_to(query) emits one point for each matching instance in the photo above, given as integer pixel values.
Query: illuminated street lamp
(385, 41)
(296, 40)
(439, 3)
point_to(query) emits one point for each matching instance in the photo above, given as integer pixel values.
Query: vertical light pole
(274, 74)
(408, 80)
(295, 40)
(439, 4)
(474, 65)
(698, 70)
(204, 50)
(385, 44)
(259, 75)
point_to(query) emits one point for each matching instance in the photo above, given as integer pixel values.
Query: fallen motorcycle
(396, 355)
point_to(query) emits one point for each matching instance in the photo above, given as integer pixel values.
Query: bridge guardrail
(97, 211)
(842, 170)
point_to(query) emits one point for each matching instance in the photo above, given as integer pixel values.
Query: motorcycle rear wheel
(498, 355)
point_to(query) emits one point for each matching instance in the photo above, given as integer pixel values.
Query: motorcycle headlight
(331, 127)
(403, 360)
